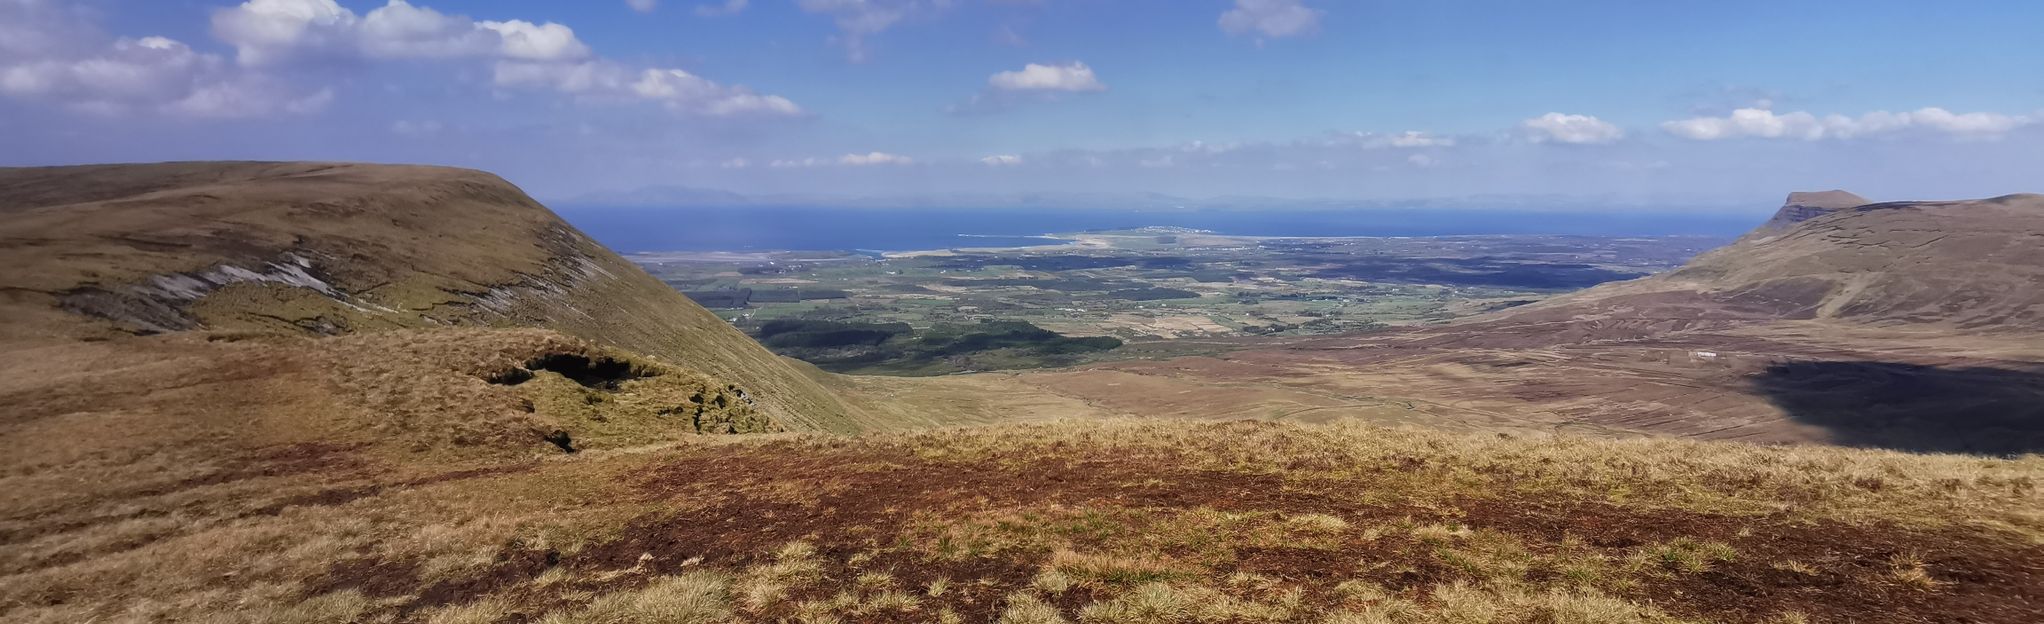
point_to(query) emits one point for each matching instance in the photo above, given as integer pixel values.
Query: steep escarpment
(101, 252)
(1806, 205)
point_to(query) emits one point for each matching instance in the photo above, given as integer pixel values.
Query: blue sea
(753, 228)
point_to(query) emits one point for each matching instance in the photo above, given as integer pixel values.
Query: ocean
(755, 228)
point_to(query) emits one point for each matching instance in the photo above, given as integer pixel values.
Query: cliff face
(1807, 205)
(327, 249)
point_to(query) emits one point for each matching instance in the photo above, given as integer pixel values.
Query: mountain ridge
(340, 248)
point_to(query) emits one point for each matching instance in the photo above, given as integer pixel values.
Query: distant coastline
(756, 228)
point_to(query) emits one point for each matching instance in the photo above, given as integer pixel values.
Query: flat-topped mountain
(1805, 205)
(329, 249)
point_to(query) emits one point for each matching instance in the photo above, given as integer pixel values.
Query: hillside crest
(334, 248)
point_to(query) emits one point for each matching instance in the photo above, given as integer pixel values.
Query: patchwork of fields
(1162, 291)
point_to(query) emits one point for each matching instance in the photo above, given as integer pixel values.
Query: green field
(1144, 287)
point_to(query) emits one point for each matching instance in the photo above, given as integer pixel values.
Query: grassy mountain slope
(1969, 266)
(1910, 325)
(329, 249)
(1095, 523)
(256, 393)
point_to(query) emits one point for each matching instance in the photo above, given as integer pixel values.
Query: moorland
(316, 392)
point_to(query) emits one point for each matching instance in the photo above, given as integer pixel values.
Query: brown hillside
(1908, 325)
(1964, 265)
(293, 394)
(101, 252)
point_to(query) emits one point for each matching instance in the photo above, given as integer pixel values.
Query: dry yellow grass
(1079, 522)
(250, 473)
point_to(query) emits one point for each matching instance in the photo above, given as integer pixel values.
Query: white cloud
(249, 96)
(676, 89)
(526, 55)
(1074, 76)
(1002, 160)
(1573, 129)
(729, 7)
(526, 41)
(269, 32)
(735, 163)
(874, 158)
(1762, 123)
(1271, 18)
(32, 29)
(859, 19)
(83, 70)
(643, 6)
(1410, 139)
(849, 160)
(395, 31)
(1421, 160)
(1414, 138)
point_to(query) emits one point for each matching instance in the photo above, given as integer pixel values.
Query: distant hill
(327, 249)
(1967, 265)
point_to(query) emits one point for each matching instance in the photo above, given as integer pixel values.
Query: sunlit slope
(1970, 266)
(1073, 522)
(106, 251)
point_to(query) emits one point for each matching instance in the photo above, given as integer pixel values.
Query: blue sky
(1659, 103)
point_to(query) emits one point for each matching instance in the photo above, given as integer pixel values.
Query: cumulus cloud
(1002, 160)
(874, 158)
(87, 71)
(1271, 18)
(1572, 129)
(526, 55)
(1074, 76)
(728, 7)
(1034, 82)
(267, 32)
(643, 6)
(859, 19)
(526, 41)
(1762, 123)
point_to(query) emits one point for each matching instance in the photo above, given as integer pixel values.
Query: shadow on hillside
(1913, 408)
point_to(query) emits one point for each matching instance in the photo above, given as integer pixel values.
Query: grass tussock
(694, 598)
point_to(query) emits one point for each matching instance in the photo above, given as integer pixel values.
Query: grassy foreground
(1131, 521)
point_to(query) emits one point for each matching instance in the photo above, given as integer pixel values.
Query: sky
(1729, 102)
